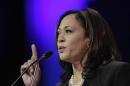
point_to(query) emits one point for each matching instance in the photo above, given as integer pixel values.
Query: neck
(77, 68)
(76, 78)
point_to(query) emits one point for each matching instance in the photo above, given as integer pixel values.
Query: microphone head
(46, 54)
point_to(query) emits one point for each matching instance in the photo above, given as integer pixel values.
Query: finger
(37, 68)
(37, 72)
(31, 69)
(24, 67)
(34, 52)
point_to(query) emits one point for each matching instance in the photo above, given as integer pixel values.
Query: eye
(68, 31)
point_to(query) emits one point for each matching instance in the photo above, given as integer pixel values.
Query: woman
(87, 53)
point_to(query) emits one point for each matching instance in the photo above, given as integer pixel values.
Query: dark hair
(102, 47)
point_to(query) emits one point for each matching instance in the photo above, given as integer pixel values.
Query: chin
(63, 57)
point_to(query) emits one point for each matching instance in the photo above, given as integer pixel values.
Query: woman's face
(72, 42)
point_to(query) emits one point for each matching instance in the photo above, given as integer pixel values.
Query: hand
(32, 76)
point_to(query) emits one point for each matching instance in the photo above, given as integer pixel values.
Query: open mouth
(61, 49)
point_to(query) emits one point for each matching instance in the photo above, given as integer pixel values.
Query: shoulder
(115, 66)
(117, 73)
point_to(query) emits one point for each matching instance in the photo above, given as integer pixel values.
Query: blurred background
(23, 22)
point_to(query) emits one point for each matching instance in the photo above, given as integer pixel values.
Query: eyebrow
(64, 28)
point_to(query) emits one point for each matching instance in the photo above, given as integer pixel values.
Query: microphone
(44, 56)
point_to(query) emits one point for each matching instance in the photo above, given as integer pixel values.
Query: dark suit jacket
(114, 73)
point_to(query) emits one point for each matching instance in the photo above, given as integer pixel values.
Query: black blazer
(114, 73)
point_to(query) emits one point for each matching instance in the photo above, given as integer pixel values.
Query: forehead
(69, 20)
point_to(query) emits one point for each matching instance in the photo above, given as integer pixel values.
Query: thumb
(34, 52)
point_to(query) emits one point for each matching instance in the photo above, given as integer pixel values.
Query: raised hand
(32, 76)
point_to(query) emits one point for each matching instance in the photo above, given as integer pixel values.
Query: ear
(87, 41)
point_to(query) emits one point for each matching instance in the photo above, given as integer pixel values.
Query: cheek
(71, 50)
(76, 46)
(72, 44)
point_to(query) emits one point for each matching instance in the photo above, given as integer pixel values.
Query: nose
(61, 38)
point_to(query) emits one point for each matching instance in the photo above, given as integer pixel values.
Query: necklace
(72, 81)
